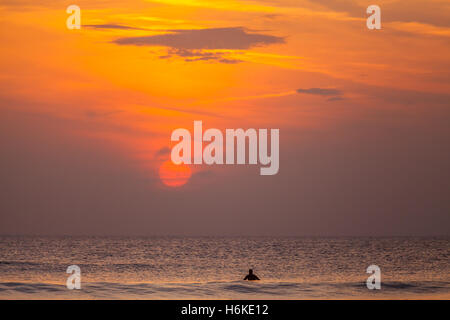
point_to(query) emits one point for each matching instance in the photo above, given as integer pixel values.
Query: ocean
(34, 267)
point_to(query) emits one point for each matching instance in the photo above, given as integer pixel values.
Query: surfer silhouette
(251, 275)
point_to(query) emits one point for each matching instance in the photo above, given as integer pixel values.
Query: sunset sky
(86, 116)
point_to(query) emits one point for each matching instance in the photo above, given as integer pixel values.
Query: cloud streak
(199, 55)
(110, 26)
(331, 93)
(320, 91)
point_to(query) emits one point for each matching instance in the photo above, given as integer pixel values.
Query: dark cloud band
(204, 39)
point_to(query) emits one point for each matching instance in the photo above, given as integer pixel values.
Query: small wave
(418, 286)
(19, 263)
(219, 290)
(23, 287)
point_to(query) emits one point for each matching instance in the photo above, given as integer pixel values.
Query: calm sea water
(213, 268)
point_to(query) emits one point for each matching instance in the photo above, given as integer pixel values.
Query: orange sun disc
(174, 175)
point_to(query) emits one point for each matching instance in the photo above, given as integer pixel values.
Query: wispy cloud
(199, 55)
(320, 91)
(228, 5)
(420, 28)
(164, 151)
(335, 99)
(333, 94)
(97, 114)
(435, 12)
(111, 26)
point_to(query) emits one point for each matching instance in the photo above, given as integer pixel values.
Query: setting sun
(173, 175)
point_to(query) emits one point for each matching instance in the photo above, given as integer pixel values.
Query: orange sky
(43, 60)
(229, 63)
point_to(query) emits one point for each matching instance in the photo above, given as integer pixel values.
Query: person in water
(251, 275)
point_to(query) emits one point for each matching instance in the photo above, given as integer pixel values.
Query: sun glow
(173, 175)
